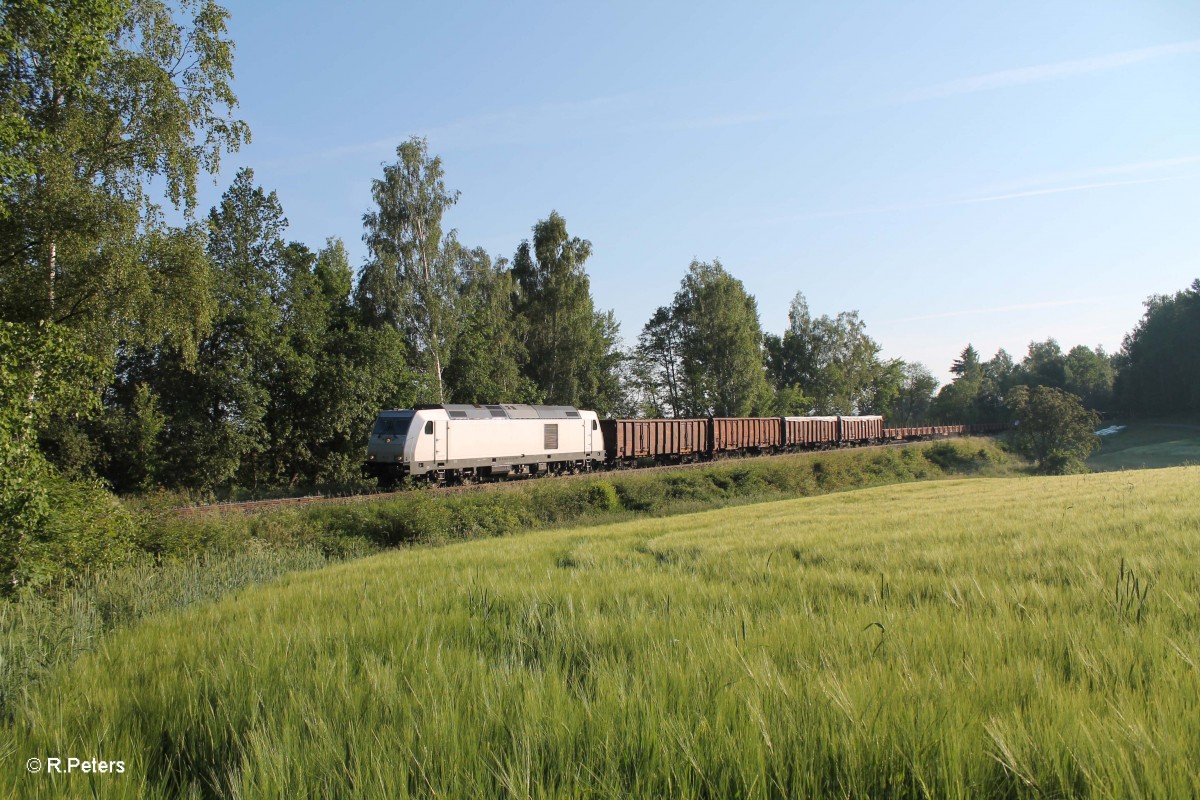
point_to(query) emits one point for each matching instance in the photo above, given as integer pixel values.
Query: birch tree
(410, 280)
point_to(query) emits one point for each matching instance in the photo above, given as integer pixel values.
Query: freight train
(465, 443)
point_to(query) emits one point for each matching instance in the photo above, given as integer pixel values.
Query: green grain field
(1003, 637)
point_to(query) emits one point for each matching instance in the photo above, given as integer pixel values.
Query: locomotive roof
(507, 411)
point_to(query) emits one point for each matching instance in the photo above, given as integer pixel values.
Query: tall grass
(176, 562)
(42, 632)
(963, 638)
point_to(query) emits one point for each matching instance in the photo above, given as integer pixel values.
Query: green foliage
(602, 496)
(913, 402)
(791, 401)
(104, 101)
(978, 390)
(48, 525)
(107, 109)
(658, 373)
(888, 382)
(1053, 428)
(217, 408)
(489, 352)
(1090, 375)
(333, 376)
(131, 430)
(282, 388)
(833, 360)
(960, 459)
(703, 355)
(571, 347)
(1083, 372)
(1159, 364)
(40, 43)
(1044, 365)
(85, 528)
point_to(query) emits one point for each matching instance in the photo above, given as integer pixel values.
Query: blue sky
(956, 172)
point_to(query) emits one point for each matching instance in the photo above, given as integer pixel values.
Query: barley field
(1003, 637)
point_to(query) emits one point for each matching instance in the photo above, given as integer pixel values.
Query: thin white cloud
(1061, 189)
(727, 121)
(630, 114)
(1075, 176)
(517, 125)
(978, 312)
(1048, 72)
(968, 200)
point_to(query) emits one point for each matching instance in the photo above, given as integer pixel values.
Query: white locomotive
(472, 441)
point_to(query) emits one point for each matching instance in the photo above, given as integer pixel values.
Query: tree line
(138, 353)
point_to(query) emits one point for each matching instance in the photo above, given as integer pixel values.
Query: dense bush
(1053, 429)
(86, 529)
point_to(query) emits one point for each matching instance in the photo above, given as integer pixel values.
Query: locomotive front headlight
(399, 457)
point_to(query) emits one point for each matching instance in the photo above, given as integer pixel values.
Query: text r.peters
(91, 765)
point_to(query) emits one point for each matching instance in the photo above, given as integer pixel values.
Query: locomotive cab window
(595, 425)
(429, 426)
(551, 435)
(392, 424)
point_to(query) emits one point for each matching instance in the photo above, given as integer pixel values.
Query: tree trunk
(53, 255)
(434, 343)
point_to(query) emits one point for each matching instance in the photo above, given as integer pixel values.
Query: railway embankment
(182, 561)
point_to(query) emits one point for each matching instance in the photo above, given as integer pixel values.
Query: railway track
(254, 506)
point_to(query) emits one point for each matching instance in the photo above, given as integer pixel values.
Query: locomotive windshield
(392, 424)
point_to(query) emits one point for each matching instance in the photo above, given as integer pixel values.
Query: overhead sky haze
(956, 173)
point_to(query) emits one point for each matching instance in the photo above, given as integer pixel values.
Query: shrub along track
(253, 506)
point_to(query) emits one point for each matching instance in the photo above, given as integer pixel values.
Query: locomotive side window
(551, 436)
(429, 426)
(595, 425)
